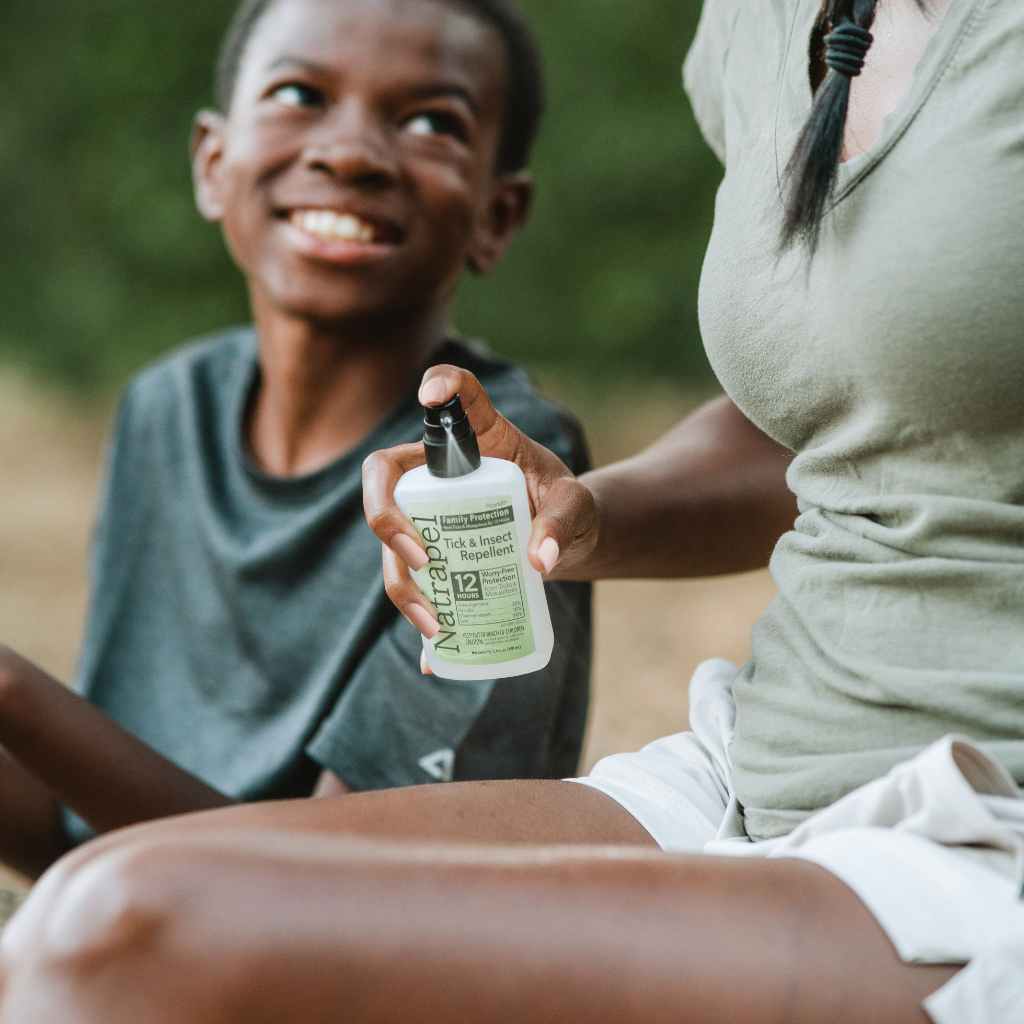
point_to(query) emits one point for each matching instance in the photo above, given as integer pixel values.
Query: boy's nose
(353, 150)
(352, 162)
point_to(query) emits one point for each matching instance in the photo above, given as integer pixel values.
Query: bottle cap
(449, 440)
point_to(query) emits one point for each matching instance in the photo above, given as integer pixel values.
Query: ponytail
(841, 38)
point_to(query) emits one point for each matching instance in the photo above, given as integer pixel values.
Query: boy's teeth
(326, 224)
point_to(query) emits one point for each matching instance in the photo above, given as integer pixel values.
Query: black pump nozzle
(449, 440)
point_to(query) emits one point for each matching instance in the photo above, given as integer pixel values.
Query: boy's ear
(206, 148)
(506, 212)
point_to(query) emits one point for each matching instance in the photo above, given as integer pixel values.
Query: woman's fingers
(381, 471)
(547, 555)
(495, 435)
(409, 551)
(406, 596)
(565, 526)
(409, 600)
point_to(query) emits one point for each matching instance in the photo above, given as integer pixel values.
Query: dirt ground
(650, 635)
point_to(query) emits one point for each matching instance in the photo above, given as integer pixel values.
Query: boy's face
(355, 174)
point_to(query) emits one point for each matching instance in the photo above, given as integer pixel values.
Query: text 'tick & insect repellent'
(473, 515)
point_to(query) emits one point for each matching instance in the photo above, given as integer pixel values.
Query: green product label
(474, 580)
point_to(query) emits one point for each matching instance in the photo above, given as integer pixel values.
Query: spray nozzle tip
(449, 439)
(436, 415)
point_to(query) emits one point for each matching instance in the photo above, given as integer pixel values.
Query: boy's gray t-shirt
(238, 622)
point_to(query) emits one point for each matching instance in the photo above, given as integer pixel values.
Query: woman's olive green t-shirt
(892, 364)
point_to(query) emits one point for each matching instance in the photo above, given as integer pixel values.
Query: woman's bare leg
(527, 812)
(530, 811)
(251, 926)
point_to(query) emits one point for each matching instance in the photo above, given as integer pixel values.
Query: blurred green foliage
(106, 262)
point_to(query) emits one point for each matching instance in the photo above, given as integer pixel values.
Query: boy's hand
(565, 516)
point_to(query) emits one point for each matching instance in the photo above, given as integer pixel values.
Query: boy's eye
(295, 94)
(437, 122)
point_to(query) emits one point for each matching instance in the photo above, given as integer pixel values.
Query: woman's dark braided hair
(524, 87)
(840, 40)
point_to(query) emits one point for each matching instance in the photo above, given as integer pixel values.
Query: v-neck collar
(936, 59)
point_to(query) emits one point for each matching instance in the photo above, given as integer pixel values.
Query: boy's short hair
(524, 99)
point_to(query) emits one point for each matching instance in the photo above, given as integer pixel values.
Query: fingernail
(548, 553)
(433, 392)
(409, 551)
(423, 620)
(424, 667)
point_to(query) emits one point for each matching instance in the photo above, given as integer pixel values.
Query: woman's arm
(710, 497)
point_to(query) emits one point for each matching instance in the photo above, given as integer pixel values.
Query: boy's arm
(31, 837)
(81, 758)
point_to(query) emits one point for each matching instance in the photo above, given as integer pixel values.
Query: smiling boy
(240, 645)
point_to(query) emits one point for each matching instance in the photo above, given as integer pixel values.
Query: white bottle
(473, 516)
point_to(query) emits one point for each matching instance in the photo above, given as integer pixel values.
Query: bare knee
(75, 952)
(94, 909)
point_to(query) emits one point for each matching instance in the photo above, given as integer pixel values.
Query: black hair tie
(846, 46)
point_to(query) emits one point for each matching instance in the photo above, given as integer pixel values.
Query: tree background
(107, 264)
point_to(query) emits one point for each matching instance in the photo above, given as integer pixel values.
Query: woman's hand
(565, 523)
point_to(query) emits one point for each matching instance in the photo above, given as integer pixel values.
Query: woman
(878, 353)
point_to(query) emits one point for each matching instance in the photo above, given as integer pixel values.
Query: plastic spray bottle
(473, 516)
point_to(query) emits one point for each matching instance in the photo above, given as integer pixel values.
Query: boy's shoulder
(207, 370)
(201, 362)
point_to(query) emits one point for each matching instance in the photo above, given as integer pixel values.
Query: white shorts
(934, 849)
